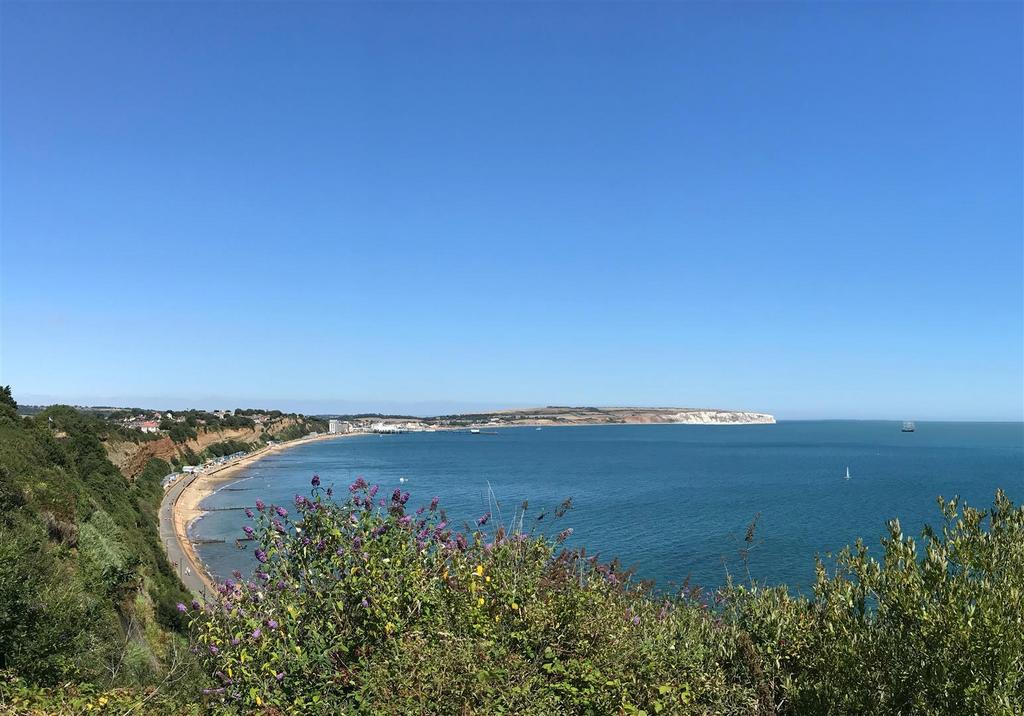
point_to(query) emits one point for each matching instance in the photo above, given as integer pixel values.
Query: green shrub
(360, 607)
(935, 630)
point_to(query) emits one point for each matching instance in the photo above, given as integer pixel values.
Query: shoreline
(182, 505)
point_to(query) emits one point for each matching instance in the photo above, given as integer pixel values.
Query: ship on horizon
(908, 427)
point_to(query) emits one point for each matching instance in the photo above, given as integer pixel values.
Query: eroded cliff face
(721, 417)
(629, 416)
(131, 458)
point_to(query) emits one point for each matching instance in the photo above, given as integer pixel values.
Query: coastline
(181, 507)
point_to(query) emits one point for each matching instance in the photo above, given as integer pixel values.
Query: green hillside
(86, 593)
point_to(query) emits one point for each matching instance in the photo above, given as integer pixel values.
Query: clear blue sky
(809, 209)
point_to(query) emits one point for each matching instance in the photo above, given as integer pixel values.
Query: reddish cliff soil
(131, 458)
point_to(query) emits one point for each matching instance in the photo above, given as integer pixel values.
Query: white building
(385, 428)
(337, 427)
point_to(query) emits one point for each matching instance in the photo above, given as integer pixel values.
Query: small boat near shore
(847, 473)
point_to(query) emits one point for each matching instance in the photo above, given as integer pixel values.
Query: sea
(674, 502)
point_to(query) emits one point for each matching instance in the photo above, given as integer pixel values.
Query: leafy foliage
(940, 630)
(227, 447)
(85, 586)
(361, 607)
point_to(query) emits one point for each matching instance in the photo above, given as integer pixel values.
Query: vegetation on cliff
(86, 592)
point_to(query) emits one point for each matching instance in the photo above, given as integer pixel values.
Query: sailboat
(847, 472)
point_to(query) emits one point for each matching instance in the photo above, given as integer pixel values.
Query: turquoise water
(672, 500)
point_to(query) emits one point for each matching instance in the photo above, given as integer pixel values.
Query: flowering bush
(363, 606)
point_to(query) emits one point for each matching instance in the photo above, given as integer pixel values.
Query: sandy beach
(184, 498)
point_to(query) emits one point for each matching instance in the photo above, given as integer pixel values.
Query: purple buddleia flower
(419, 510)
(279, 676)
(405, 521)
(182, 608)
(281, 585)
(315, 481)
(359, 484)
(636, 620)
(261, 556)
(365, 603)
(281, 512)
(460, 542)
(564, 535)
(249, 531)
(433, 503)
(483, 519)
(381, 502)
(396, 496)
(257, 633)
(249, 513)
(235, 641)
(271, 624)
(195, 604)
(236, 573)
(330, 492)
(404, 498)
(299, 501)
(263, 576)
(373, 490)
(278, 526)
(214, 650)
(260, 505)
(228, 584)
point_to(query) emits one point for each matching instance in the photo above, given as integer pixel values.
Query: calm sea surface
(671, 500)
